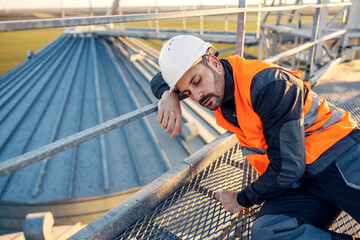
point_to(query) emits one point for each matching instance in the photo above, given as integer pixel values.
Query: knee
(268, 226)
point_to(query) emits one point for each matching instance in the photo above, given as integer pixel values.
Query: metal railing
(49, 150)
(78, 21)
(61, 145)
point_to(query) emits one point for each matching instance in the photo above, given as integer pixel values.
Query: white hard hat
(179, 54)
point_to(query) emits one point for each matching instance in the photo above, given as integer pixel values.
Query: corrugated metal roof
(76, 82)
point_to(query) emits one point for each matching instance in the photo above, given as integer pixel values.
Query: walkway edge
(121, 217)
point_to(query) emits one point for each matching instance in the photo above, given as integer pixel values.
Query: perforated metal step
(192, 212)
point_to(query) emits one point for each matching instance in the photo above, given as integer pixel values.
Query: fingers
(160, 116)
(170, 122)
(177, 128)
(169, 113)
(228, 200)
(165, 120)
(217, 195)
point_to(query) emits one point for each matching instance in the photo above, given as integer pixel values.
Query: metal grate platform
(192, 212)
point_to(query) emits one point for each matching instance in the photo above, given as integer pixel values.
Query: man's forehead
(185, 80)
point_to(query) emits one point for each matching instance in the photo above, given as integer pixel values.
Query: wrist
(164, 93)
(243, 200)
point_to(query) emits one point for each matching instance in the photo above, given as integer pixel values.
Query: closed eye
(195, 83)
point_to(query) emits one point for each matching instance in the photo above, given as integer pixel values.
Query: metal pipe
(78, 21)
(157, 27)
(304, 46)
(322, 70)
(314, 36)
(61, 145)
(240, 33)
(49, 150)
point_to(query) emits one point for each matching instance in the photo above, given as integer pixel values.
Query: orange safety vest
(324, 124)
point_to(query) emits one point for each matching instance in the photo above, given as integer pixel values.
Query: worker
(306, 150)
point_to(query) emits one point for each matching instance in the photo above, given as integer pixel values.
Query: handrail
(304, 46)
(17, 163)
(77, 21)
(24, 160)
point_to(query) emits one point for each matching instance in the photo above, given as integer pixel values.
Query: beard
(218, 93)
(214, 104)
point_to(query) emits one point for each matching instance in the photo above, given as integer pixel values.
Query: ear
(215, 63)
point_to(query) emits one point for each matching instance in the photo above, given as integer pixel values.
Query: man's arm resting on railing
(169, 110)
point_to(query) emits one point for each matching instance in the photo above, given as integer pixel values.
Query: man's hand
(169, 112)
(228, 200)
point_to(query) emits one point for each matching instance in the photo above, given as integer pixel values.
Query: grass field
(14, 45)
(210, 23)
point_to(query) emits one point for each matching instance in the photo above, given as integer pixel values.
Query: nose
(196, 96)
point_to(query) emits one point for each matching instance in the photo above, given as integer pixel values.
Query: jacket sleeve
(277, 97)
(158, 85)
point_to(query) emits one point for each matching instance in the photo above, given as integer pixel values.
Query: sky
(24, 4)
(37, 4)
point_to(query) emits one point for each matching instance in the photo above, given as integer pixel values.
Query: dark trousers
(308, 211)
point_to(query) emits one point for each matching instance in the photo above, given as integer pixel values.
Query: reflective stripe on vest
(252, 151)
(324, 124)
(311, 124)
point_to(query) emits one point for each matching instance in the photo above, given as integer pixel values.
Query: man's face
(205, 84)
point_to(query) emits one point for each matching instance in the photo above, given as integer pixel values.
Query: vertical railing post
(352, 23)
(226, 22)
(121, 13)
(275, 43)
(112, 11)
(62, 9)
(314, 37)
(295, 59)
(324, 12)
(149, 11)
(259, 29)
(157, 21)
(91, 9)
(201, 20)
(184, 19)
(240, 33)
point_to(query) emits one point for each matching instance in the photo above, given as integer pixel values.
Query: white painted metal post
(157, 21)
(240, 33)
(275, 43)
(121, 13)
(184, 19)
(91, 9)
(314, 37)
(259, 22)
(62, 9)
(113, 8)
(353, 24)
(226, 23)
(201, 20)
(149, 11)
(111, 11)
(324, 12)
(297, 57)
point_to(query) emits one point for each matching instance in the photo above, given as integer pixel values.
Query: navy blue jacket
(278, 99)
